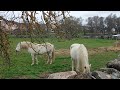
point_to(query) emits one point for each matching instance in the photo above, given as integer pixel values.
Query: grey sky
(83, 14)
(86, 14)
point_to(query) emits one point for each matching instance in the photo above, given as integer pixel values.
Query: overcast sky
(86, 14)
(83, 14)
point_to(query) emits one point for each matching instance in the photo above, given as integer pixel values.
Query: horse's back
(83, 49)
(78, 51)
(84, 58)
(47, 44)
(41, 48)
(74, 50)
(73, 45)
(50, 44)
(83, 54)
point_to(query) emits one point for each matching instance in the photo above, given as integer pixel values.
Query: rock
(113, 72)
(109, 70)
(114, 64)
(101, 75)
(108, 73)
(62, 75)
(81, 76)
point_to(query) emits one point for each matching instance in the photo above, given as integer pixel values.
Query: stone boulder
(82, 76)
(106, 73)
(114, 64)
(101, 75)
(62, 75)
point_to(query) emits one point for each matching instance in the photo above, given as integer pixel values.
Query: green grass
(65, 44)
(21, 63)
(100, 60)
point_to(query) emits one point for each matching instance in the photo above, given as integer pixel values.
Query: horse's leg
(77, 65)
(72, 64)
(50, 56)
(33, 58)
(48, 60)
(36, 59)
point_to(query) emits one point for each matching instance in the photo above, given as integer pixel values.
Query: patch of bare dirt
(66, 52)
(62, 52)
(116, 44)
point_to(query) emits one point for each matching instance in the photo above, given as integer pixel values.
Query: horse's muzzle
(16, 52)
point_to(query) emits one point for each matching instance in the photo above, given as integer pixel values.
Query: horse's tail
(53, 54)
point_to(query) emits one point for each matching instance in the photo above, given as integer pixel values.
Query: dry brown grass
(116, 44)
(66, 52)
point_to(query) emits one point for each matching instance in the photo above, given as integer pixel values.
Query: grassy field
(21, 64)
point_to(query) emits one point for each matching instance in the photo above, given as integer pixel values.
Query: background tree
(90, 25)
(117, 25)
(101, 26)
(71, 27)
(110, 22)
(4, 46)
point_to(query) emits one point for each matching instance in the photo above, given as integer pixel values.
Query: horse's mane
(26, 44)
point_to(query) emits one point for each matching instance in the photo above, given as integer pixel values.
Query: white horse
(79, 57)
(36, 49)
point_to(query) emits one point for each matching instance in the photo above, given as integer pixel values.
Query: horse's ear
(90, 65)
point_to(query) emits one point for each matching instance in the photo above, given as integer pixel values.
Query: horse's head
(23, 45)
(87, 68)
